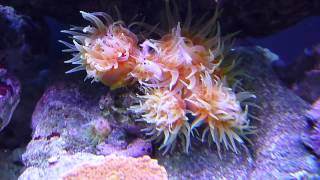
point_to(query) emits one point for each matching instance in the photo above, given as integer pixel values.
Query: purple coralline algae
(311, 137)
(69, 119)
(9, 96)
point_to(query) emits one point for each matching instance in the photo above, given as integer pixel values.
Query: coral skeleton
(186, 87)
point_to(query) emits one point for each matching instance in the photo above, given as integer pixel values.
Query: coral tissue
(186, 86)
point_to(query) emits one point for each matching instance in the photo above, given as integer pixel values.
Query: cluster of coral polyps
(186, 87)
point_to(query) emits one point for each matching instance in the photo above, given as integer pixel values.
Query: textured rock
(10, 164)
(23, 42)
(137, 148)
(314, 112)
(309, 87)
(61, 123)
(311, 137)
(69, 119)
(12, 26)
(295, 71)
(65, 111)
(21, 39)
(277, 150)
(303, 74)
(9, 96)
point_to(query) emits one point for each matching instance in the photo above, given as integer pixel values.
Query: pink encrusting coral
(119, 168)
(105, 50)
(184, 72)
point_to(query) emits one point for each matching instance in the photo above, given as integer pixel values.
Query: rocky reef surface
(9, 96)
(277, 150)
(70, 118)
(21, 59)
(65, 123)
(10, 163)
(77, 126)
(311, 137)
(303, 74)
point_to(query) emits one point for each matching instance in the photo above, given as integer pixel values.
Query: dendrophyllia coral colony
(186, 87)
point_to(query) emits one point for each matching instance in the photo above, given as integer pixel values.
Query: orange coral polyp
(172, 60)
(167, 107)
(106, 51)
(165, 112)
(219, 108)
(109, 58)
